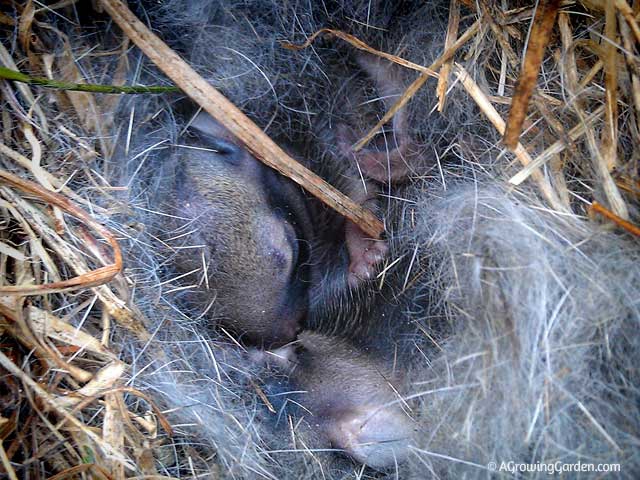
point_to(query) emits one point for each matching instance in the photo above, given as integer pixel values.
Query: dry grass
(62, 406)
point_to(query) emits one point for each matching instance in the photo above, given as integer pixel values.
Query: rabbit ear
(379, 165)
(206, 124)
(385, 161)
(388, 82)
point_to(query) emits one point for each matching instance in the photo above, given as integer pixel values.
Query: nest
(563, 87)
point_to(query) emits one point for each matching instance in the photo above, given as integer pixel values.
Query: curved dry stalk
(99, 276)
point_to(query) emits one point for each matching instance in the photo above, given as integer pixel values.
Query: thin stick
(16, 76)
(540, 33)
(619, 221)
(234, 120)
(360, 45)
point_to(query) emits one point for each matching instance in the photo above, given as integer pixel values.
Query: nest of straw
(65, 408)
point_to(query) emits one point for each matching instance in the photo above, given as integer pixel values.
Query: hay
(66, 409)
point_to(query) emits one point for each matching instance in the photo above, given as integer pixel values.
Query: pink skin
(382, 165)
(348, 398)
(375, 435)
(364, 254)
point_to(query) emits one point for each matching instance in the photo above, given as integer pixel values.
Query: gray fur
(540, 365)
(511, 328)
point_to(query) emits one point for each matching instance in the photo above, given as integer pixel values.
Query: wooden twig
(621, 222)
(543, 22)
(263, 397)
(214, 103)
